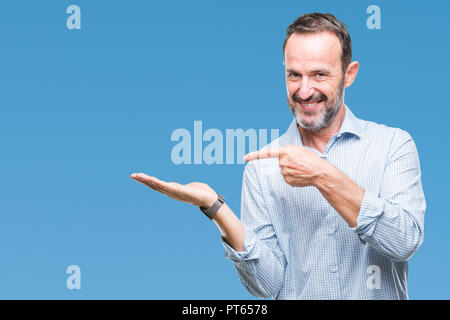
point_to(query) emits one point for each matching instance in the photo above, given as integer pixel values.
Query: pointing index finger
(262, 154)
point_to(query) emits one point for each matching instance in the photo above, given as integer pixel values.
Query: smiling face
(315, 80)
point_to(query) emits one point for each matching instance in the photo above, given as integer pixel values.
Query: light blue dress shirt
(296, 244)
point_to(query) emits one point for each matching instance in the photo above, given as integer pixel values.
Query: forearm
(230, 227)
(393, 229)
(341, 192)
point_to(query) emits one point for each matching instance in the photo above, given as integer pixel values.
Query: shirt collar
(351, 125)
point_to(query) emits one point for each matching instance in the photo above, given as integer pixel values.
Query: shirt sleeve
(262, 264)
(393, 220)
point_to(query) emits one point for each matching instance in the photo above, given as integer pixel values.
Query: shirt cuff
(249, 248)
(372, 208)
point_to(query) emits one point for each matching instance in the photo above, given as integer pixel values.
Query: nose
(306, 90)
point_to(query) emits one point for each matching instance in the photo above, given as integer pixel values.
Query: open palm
(196, 193)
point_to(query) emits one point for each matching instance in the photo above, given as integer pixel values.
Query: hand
(299, 166)
(195, 193)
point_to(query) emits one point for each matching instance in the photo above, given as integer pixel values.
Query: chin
(310, 123)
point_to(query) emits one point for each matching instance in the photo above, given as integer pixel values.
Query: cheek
(327, 90)
(291, 88)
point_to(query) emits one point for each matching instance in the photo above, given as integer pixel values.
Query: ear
(350, 73)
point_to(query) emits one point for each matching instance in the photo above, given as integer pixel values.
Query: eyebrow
(291, 71)
(324, 71)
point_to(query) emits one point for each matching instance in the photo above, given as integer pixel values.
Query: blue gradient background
(83, 109)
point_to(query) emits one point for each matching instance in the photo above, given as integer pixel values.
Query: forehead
(307, 50)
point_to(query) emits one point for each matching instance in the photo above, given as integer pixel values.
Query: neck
(319, 139)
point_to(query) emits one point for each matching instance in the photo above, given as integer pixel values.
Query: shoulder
(392, 140)
(384, 133)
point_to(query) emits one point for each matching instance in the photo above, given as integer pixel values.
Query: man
(334, 208)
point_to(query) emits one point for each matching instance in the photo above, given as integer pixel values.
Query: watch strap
(211, 211)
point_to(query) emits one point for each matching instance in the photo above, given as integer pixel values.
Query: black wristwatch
(211, 211)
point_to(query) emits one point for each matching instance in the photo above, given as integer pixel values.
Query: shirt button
(331, 231)
(333, 269)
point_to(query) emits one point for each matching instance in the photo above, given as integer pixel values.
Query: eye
(320, 76)
(293, 75)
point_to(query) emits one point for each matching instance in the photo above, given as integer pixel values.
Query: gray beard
(326, 115)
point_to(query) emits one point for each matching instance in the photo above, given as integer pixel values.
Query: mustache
(315, 97)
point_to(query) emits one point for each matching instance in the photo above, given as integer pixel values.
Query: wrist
(209, 200)
(211, 211)
(323, 175)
